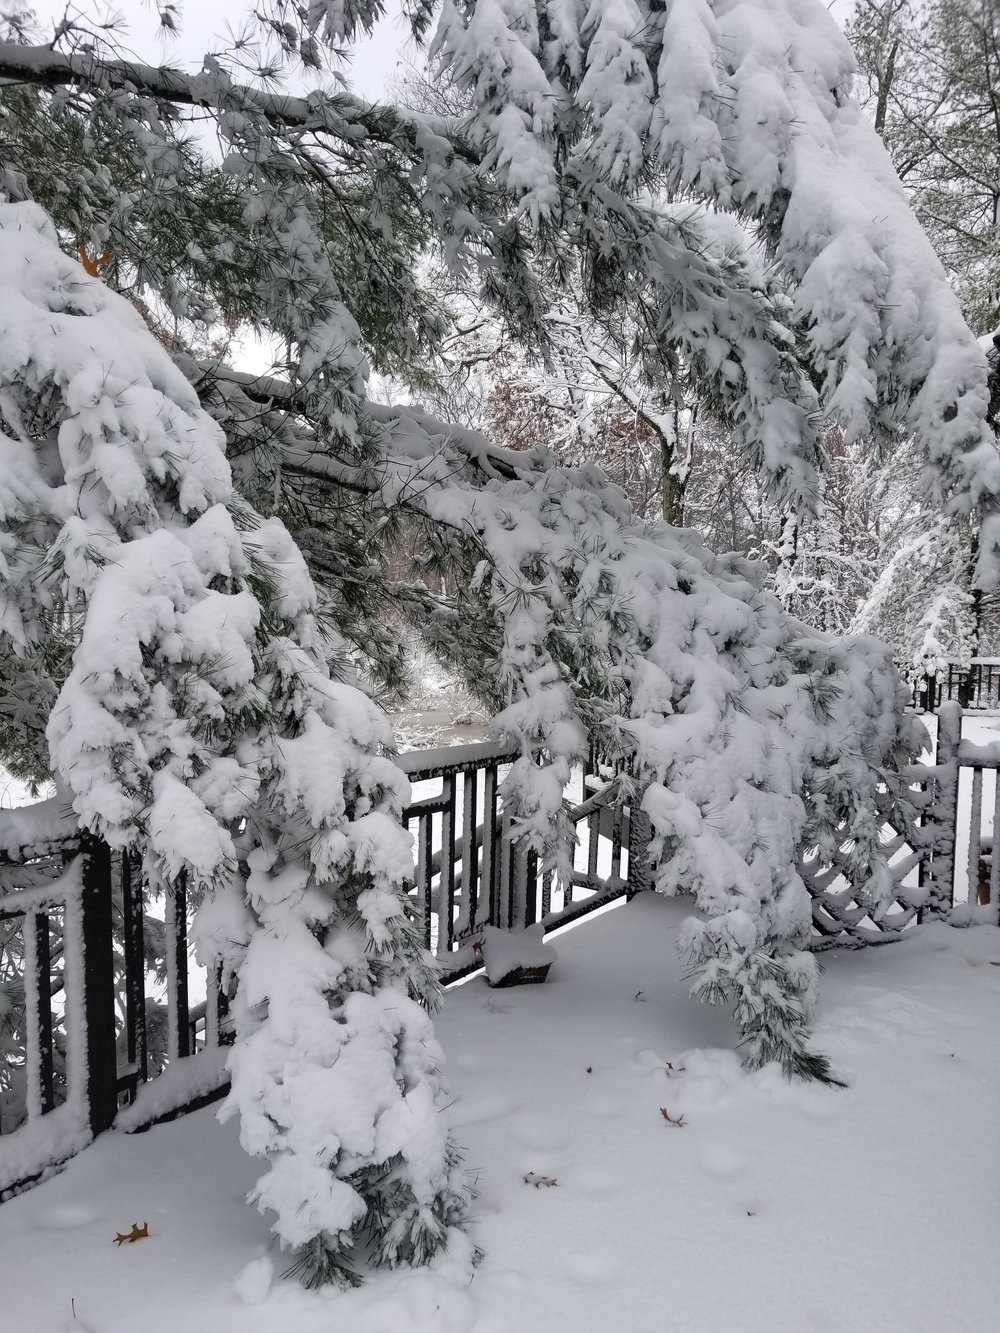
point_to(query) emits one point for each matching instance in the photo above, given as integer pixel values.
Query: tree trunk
(672, 489)
(672, 485)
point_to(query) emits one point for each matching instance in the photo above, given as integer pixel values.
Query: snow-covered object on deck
(200, 722)
(507, 951)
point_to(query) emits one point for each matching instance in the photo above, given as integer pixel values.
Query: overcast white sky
(205, 24)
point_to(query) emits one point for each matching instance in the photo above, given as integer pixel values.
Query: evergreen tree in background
(930, 78)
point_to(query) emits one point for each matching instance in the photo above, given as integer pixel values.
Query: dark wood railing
(67, 1074)
(471, 873)
(72, 939)
(93, 1014)
(976, 687)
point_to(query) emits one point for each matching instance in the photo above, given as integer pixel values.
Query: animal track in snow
(604, 1108)
(648, 1061)
(65, 1216)
(536, 1131)
(479, 1108)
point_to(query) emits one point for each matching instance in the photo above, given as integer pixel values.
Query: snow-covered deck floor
(777, 1208)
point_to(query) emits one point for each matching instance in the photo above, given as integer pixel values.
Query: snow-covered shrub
(200, 722)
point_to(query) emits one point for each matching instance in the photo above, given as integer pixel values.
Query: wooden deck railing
(470, 873)
(104, 1040)
(77, 919)
(73, 943)
(975, 687)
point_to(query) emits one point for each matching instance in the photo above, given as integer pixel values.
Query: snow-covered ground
(773, 1207)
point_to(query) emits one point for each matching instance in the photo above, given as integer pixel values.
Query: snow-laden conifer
(205, 717)
(755, 739)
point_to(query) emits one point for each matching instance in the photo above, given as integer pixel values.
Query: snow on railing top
(37, 829)
(985, 755)
(449, 758)
(45, 895)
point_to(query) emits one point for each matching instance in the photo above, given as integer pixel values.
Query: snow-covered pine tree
(204, 715)
(826, 561)
(819, 198)
(755, 738)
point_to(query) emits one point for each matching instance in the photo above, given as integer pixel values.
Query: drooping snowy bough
(755, 738)
(746, 105)
(207, 720)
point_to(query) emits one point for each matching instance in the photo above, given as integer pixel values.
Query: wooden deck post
(943, 812)
(135, 967)
(98, 983)
(178, 1012)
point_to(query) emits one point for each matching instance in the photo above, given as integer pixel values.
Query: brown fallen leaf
(679, 1122)
(94, 264)
(137, 1233)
